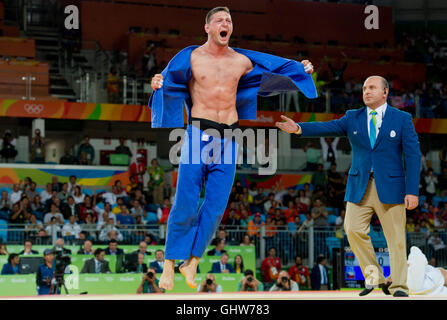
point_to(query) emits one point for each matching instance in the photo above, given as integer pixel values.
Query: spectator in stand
(19, 214)
(55, 184)
(86, 248)
(33, 226)
(46, 194)
(28, 248)
(61, 243)
(5, 205)
(222, 266)
(249, 282)
(137, 210)
(104, 214)
(289, 197)
(71, 230)
(319, 177)
(72, 183)
(306, 223)
(329, 148)
(149, 283)
(64, 194)
(16, 194)
(124, 220)
(12, 267)
(431, 182)
(254, 225)
(238, 264)
(163, 213)
(233, 219)
(98, 264)
(319, 214)
(142, 248)
(3, 250)
(122, 149)
(156, 182)
(37, 148)
(88, 149)
(149, 238)
(300, 274)
(131, 187)
(87, 208)
(138, 169)
(320, 275)
(270, 268)
(284, 283)
(340, 219)
(120, 191)
(78, 196)
(53, 225)
(113, 249)
(109, 231)
(54, 213)
(258, 201)
(8, 149)
(31, 193)
(113, 83)
(70, 209)
(442, 183)
(159, 262)
(313, 155)
(68, 158)
(209, 285)
(89, 226)
(219, 249)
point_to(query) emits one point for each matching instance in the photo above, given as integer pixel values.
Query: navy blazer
(118, 251)
(216, 268)
(7, 269)
(270, 75)
(397, 141)
(315, 277)
(154, 265)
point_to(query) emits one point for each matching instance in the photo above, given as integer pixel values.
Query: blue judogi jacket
(271, 75)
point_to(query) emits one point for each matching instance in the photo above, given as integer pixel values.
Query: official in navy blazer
(383, 178)
(222, 266)
(159, 262)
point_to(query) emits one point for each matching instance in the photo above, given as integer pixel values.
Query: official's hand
(289, 126)
(308, 67)
(411, 201)
(157, 82)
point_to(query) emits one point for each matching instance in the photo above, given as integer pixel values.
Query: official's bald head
(375, 91)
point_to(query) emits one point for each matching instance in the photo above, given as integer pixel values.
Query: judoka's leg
(182, 221)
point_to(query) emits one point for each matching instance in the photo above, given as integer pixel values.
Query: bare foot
(167, 277)
(189, 270)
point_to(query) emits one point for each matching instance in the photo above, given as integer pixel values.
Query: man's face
(54, 179)
(72, 180)
(159, 256)
(220, 28)
(323, 262)
(71, 219)
(60, 242)
(224, 259)
(86, 140)
(272, 252)
(87, 245)
(101, 256)
(113, 246)
(298, 261)
(110, 221)
(49, 258)
(28, 245)
(142, 247)
(15, 187)
(33, 186)
(16, 260)
(70, 201)
(373, 92)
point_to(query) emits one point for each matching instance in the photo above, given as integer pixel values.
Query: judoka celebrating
(218, 85)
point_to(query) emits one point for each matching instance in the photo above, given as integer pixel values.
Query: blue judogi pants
(190, 229)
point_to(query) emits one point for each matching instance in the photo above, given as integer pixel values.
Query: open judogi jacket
(270, 75)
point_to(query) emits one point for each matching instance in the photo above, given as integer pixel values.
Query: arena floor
(303, 295)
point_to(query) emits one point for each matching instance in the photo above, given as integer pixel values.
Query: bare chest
(217, 70)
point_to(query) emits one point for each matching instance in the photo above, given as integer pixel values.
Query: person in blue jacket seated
(219, 86)
(222, 266)
(12, 267)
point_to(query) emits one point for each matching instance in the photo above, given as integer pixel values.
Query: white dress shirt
(379, 117)
(323, 274)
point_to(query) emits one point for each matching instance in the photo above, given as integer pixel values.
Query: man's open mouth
(223, 34)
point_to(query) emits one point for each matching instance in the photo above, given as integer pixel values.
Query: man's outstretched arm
(314, 129)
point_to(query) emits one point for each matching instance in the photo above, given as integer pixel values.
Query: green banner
(125, 283)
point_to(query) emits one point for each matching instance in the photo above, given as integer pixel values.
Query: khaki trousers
(158, 195)
(393, 219)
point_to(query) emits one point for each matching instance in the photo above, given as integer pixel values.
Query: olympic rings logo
(33, 108)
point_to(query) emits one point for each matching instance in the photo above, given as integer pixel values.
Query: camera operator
(249, 282)
(44, 275)
(8, 150)
(37, 148)
(149, 283)
(209, 284)
(284, 283)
